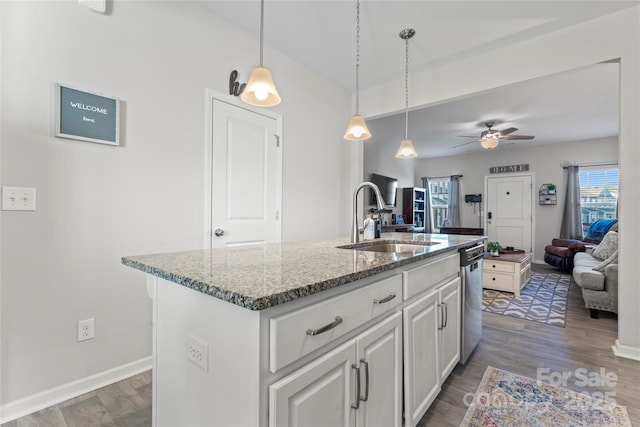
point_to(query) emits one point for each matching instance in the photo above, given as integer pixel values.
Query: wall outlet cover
(198, 352)
(86, 329)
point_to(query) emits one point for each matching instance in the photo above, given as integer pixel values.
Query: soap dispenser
(369, 228)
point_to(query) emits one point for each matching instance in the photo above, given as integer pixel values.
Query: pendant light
(357, 129)
(406, 150)
(260, 90)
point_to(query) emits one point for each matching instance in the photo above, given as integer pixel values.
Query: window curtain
(571, 227)
(428, 227)
(453, 207)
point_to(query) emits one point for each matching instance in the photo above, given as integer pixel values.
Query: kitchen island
(303, 333)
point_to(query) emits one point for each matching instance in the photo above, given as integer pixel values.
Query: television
(388, 189)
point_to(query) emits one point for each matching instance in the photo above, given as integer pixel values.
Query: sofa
(596, 272)
(560, 253)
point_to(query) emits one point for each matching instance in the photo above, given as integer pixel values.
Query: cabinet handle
(441, 320)
(493, 278)
(446, 314)
(325, 328)
(366, 376)
(383, 300)
(357, 404)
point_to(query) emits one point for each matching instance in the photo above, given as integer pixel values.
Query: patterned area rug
(507, 399)
(543, 299)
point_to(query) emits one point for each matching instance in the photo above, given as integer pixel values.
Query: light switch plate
(18, 199)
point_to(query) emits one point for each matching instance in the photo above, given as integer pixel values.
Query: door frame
(210, 96)
(533, 200)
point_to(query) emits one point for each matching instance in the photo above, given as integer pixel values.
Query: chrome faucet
(355, 230)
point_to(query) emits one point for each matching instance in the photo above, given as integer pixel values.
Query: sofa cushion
(584, 274)
(607, 247)
(613, 259)
(583, 259)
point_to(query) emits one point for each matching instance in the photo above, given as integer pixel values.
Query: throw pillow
(607, 247)
(613, 259)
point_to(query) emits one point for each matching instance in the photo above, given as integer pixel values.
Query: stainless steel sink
(390, 247)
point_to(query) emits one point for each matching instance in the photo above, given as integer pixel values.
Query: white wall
(613, 36)
(545, 161)
(97, 203)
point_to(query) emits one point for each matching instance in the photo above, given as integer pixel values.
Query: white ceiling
(321, 35)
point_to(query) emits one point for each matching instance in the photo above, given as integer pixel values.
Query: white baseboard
(626, 351)
(30, 404)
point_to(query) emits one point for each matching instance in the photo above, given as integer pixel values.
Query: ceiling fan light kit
(406, 150)
(490, 138)
(357, 129)
(260, 90)
(489, 143)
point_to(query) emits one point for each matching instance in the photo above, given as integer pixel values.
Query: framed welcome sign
(87, 116)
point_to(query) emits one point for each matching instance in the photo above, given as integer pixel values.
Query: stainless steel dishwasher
(471, 274)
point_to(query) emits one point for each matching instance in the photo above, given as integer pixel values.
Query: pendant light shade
(357, 129)
(406, 150)
(260, 89)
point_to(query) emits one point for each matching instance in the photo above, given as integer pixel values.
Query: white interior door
(246, 171)
(509, 210)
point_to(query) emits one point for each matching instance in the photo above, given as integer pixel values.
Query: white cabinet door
(318, 395)
(380, 360)
(449, 340)
(421, 374)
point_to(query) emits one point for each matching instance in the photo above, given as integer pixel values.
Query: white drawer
(422, 278)
(498, 281)
(291, 334)
(507, 267)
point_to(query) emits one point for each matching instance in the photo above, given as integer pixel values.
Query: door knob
(219, 232)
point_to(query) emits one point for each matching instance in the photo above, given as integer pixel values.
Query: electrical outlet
(18, 199)
(198, 353)
(86, 329)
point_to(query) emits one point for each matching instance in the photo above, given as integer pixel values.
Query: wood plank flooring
(515, 345)
(125, 403)
(522, 346)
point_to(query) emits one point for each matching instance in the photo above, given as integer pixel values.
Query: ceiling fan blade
(507, 131)
(466, 143)
(519, 137)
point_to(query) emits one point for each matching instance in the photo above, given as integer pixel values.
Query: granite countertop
(261, 276)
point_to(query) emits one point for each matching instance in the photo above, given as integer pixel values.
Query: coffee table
(507, 272)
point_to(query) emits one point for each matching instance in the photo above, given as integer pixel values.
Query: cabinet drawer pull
(357, 404)
(493, 278)
(383, 300)
(325, 328)
(366, 378)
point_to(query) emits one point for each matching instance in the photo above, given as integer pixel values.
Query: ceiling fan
(490, 138)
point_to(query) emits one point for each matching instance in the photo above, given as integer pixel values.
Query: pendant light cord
(357, 57)
(406, 91)
(261, 28)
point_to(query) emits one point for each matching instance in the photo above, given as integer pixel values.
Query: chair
(560, 252)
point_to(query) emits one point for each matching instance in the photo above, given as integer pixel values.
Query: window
(598, 194)
(439, 198)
